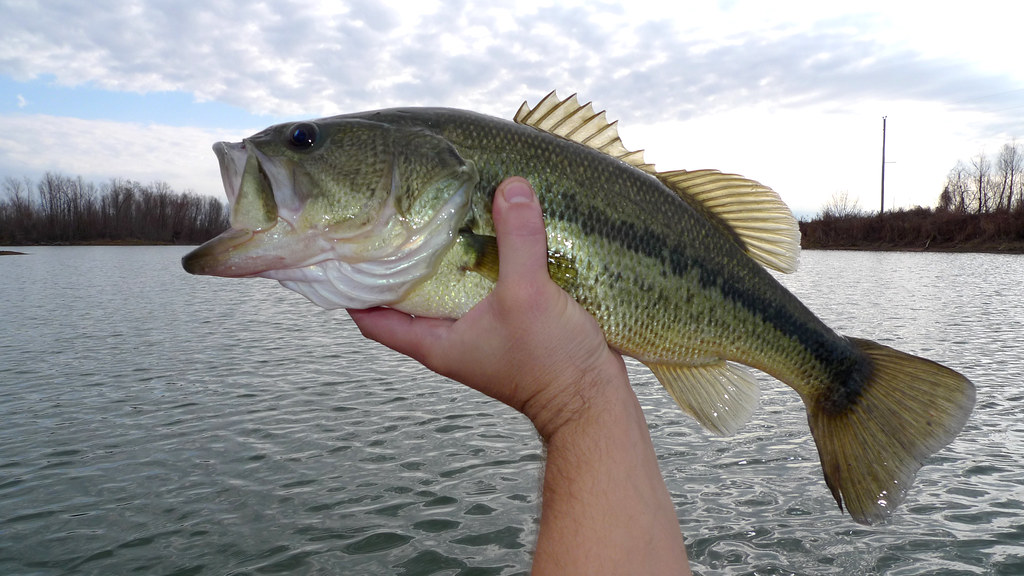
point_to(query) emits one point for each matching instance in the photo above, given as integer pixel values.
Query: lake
(154, 422)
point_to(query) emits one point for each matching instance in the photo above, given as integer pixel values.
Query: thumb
(519, 227)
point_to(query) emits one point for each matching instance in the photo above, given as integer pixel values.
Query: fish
(392, 208)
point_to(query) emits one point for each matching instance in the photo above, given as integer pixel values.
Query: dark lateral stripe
(502, 148)
(713, 273)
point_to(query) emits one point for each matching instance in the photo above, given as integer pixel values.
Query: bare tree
(957, 190)
(840, 205)
(18, 222)
(72, 210)
(981, 176)
(1008, 165)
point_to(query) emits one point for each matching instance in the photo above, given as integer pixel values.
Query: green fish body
(392, 208)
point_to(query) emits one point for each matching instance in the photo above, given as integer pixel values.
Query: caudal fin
(908, 408)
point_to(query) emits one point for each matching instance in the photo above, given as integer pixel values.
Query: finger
(519, 227)
(415, 337)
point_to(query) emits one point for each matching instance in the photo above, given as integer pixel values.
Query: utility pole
(882, 208)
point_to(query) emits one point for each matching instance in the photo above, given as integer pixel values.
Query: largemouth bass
(392, 208)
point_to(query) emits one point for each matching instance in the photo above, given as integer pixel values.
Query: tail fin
(907, 409)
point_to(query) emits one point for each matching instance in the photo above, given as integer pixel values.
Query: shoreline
(1008, 247)
(918, 230)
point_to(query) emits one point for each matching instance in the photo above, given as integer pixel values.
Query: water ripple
(155, 422)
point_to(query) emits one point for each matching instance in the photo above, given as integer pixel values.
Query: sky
(791, 94)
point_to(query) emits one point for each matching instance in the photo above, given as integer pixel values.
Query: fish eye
(303, 136)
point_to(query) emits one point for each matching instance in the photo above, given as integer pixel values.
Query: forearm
(530, 345)
(605, 508)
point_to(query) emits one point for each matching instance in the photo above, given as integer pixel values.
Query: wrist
(594, 396)
(605, 507)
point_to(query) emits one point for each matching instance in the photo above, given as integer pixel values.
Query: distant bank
(919, 229)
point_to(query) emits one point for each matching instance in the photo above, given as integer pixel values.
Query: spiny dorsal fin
(721, 396)
(753, 212)
(568, 119)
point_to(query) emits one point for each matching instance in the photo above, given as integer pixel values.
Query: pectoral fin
(560, 267)
(485, 250)
(721, 396)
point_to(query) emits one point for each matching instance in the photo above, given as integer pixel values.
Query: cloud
(787, 94)
(101, 150)
(21, 101)
(308, 58)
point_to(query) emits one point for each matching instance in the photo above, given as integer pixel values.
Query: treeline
(985, 184)
(980, 208)
(60, 209)
(918, 229)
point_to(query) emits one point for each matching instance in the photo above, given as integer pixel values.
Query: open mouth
(236, 252)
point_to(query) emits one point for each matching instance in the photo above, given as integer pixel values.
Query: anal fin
(721, 396)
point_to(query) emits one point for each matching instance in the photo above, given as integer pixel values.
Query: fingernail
(517, 192)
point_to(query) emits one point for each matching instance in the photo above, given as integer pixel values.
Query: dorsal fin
(747, 210)
(568, 119)
(753, 212)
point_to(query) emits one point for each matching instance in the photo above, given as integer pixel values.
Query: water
(154, 422)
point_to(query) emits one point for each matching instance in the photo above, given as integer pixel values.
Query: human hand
(605, 506)
(528, 343)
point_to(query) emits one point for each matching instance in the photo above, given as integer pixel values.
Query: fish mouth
(210, 258)
(259, 239)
